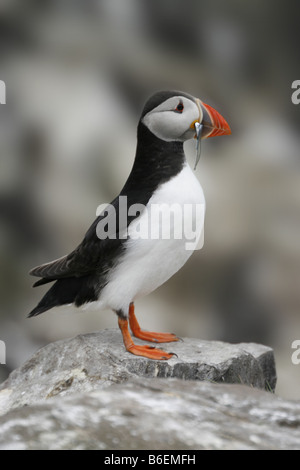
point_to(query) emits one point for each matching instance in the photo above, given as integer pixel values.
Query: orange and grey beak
(213, 123)
(209, 124)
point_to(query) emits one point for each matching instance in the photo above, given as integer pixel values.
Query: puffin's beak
(209, 124)
(213, 123)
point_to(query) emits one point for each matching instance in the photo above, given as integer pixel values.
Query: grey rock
(265, 357)
(156, 414)
(98, 360)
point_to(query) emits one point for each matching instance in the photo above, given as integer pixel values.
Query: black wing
(92, 255)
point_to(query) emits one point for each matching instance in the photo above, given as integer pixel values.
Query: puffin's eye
(179, 108)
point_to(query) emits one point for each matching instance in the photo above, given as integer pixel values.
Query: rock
(156, 414)
(98, 360)
(265, 357)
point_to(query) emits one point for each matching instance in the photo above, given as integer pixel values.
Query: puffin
(126, 254)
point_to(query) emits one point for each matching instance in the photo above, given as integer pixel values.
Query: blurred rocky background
(77, 75)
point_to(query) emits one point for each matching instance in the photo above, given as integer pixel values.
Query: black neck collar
(156, 162)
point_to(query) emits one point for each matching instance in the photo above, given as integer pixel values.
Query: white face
(172, 119)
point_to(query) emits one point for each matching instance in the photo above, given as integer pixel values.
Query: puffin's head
(177, 116)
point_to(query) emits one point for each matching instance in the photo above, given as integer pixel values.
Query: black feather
(67, 291)
(42, 281)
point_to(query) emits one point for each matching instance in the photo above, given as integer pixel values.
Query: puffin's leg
(147, 351)
(148, 335)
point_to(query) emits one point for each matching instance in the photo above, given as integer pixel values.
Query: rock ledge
(98, 360)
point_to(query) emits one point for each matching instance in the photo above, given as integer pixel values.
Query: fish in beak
(209, 124)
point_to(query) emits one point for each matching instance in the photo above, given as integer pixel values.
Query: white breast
(158, 246)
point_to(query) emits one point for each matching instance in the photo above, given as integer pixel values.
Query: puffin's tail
(37, 310)
(63, 292)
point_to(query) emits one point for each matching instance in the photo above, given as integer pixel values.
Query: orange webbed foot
(150, 352)
(146, 351)
(155, 337)
(148, 335)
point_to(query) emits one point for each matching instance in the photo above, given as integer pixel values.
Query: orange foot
(148, 335)
(146, 351)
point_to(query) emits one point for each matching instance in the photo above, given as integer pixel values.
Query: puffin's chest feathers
(160, 240)
(183, 188)
(174, 207)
